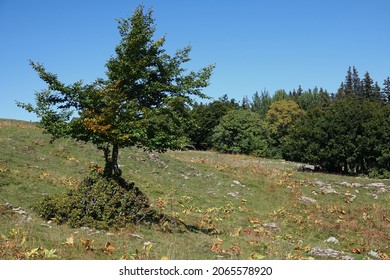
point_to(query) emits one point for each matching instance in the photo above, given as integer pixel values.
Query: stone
(381, 191)
(271, 226)
(330, 253)
(233, 194)
(376, 185)
(319, 183)
(357, 185)
(374, 254)
(345, 184)
(328, 190)
(332, 240)
(307, 168)
(307, 199)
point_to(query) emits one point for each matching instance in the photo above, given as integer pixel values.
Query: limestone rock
(307, 199)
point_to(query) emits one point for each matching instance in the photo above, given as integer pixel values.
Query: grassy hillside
(261, 209)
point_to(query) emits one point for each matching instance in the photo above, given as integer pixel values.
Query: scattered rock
(381, 191)
(332, 240)
(328, 190)
(319, 183)
(110, 234)
(233, 194)
(18, 210)
(137, 236)
(271, 226)
(345, 184)
(330, 253)
(307, 199)
(156, 158)
(357, 185)
(374, 254)
(307, 168)
(46, 225)
(376, 185)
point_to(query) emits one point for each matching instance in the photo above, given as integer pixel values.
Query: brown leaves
(216, 247)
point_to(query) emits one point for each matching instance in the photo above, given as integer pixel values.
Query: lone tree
(140, 103)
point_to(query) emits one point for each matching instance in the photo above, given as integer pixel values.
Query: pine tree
(356, 84)
(386, 90)
(367, 86)
(348, 85)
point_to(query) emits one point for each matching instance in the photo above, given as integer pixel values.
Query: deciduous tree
(140, 103)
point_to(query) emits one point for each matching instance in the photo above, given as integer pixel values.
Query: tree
(239, 131)
(280, 117)
(349, 136)
(204, 118)
(261, 103)
(386, 90)
(141, 102)
(367, 87)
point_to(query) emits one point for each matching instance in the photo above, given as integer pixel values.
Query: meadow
(258, 208)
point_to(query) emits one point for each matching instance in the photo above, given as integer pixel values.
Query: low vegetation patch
(97, 202)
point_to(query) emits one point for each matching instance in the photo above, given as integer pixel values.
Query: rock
(307, 199)
(319, 183)
(357, 185)
(332, 240)
(374, 254)
(329, 253)
(271, 226)
(345, 184)
(233, 194)
(328, 190)
(110, 234)
(46, 225)
(307, 168)
(376, 185)
(381, 191)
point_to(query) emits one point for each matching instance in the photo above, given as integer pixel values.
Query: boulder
(307, 199)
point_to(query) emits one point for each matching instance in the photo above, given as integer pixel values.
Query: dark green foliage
(98, 202)
(350, 136)
(239, 131)
(204, 118)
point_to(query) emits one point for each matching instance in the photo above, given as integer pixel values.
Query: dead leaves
(88, 244)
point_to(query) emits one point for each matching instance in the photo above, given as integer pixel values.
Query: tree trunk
(111, 169)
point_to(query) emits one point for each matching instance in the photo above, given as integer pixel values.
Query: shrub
(97, 202)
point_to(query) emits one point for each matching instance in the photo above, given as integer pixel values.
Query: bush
(98, 202)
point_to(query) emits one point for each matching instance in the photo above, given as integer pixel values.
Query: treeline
(344, 132)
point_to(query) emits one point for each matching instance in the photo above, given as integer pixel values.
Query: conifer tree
(386, 90)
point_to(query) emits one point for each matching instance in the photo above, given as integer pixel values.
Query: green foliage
(98, 202)
(205, 117)
(141, 103)
(350, 136)
(280, 117)
(239, 132)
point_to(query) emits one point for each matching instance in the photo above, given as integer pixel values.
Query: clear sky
(255, 44)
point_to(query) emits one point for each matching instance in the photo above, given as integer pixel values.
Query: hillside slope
(260, 209)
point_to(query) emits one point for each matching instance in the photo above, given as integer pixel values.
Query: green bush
(98, 202)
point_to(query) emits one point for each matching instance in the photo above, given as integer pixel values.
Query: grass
(241, 196)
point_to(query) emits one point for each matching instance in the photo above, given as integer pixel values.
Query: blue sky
(255, 44)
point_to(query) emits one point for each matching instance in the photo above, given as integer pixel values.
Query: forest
(345, 132)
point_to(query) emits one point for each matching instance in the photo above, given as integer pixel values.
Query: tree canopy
(141, 102)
